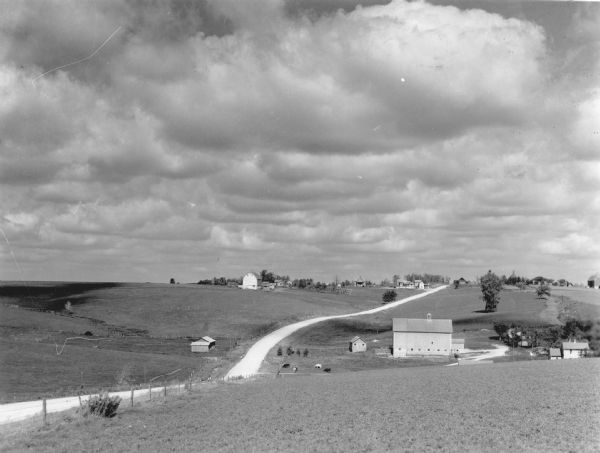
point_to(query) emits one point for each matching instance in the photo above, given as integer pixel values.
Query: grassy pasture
(147, 326)
(519, 406)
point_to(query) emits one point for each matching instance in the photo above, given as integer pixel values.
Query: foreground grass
(522, 406)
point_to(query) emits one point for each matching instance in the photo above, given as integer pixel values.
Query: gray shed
(204, 344)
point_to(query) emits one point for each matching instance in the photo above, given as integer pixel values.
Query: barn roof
(356, 338)
(555, 352)
(422, 325)
(574, 345)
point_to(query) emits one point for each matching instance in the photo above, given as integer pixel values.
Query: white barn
(250, 281)
(422, 337)
(204, 344)
(357, 345)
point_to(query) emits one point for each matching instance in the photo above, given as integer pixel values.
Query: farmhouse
(422, 337)
(357, 345)
(574, 349)
(458, 345)
(204, 344)
(594, 281)
(250, 281)
(554, 354)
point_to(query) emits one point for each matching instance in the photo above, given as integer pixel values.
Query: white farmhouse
(422, 337)
(250, 281)
(574, 349)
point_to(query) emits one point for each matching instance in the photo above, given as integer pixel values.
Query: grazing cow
(327, 370)
(285, 365)
(318, 366)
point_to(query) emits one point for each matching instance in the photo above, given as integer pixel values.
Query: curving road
(251, 362)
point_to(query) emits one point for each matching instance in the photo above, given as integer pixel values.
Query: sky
(143, 141)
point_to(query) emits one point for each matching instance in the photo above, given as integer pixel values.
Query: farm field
(124, 334)
(520, 406)
(327, 342)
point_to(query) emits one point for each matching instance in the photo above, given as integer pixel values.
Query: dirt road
(250, 364)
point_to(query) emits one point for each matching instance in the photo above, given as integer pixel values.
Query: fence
(14, 412)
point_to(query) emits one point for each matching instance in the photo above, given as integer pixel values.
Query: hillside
(520, 406)
(123, 334)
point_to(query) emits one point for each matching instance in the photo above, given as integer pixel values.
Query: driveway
(251, 362)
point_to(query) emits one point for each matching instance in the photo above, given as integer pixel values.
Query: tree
(543, 291)
(279, 351)
(490, 287)
(389, 296)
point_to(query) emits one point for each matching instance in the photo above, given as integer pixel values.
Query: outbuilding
(554, 354)
(594, 281)
(357, 345)
(250, 281)
(204, 344)
(422, 337)
(574, 349)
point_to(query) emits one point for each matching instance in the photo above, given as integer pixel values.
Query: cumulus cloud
(442, 138)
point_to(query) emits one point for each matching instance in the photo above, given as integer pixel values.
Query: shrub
(279, 351)
(298, 352)
(543, 291)
(305, 353)
(102, 405)
(289, 351)
(389, 296)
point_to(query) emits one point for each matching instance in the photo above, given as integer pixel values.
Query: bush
(279, 351)
(289, 351)
(305, 353)
(389, 296)
(543, 291)
(102, 405)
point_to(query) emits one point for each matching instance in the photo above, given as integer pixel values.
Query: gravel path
(250, 363)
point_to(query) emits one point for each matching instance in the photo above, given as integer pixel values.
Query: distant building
(594, 281)
(458, 345)
(418, 337)
(554, 354)
(250, 281)
(357, 345)
(204, 344)
(419, 284)
(574, 349)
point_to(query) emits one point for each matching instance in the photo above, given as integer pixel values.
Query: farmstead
(422, 337)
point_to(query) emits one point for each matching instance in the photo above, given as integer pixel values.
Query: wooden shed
(357, 345)
(204, 344)
(554, 354)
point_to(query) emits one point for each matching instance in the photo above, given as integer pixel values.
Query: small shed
(594, 281)
(204, 344)
(357, 345)
(554, 354)
(458, 345)
(574, 349)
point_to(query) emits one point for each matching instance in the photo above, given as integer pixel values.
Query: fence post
(165, 387)
(44, 410)
(79, 396)
(132, 396)
(150, 391)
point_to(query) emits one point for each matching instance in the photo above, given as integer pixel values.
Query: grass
(145, 330)
(522, 406)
